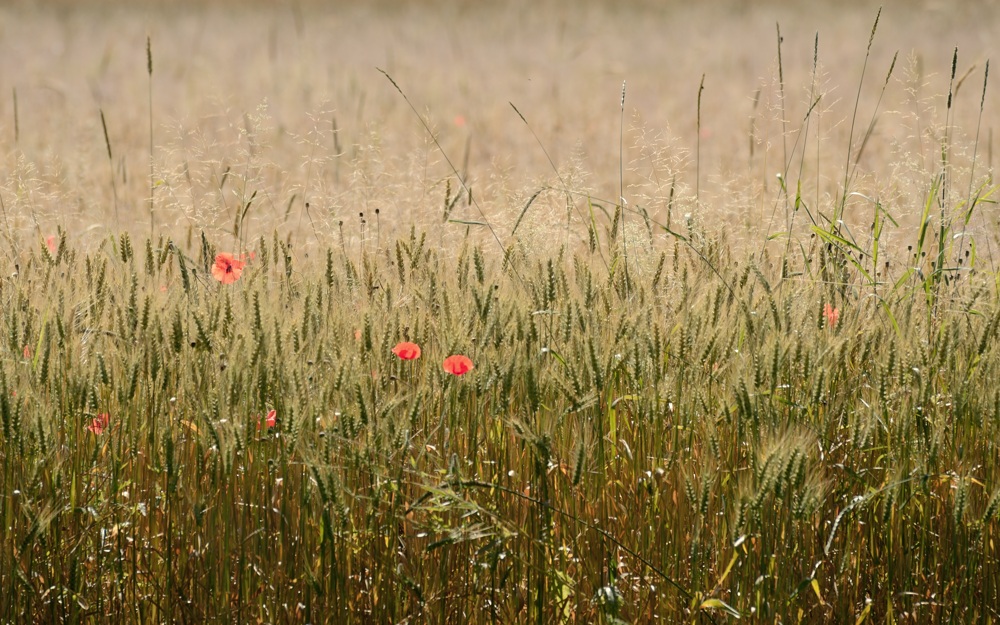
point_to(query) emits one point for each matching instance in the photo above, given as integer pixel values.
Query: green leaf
(719, 604)
(815, 587)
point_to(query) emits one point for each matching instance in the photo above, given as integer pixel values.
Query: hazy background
(286, 97)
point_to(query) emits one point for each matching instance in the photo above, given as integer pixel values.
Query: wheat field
(506, 312)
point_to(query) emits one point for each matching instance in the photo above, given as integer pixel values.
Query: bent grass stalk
(152, 176)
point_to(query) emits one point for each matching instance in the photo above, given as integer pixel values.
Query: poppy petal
(832, 315)
(407, 351)
(458, 364)
(99, 424)
(227, 268)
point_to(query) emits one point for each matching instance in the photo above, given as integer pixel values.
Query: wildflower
(99, 424)
(52, 243)
(459, 120)
(407, 351)
(227, 268)
(27, 352)
(832, 315)
(271, 420)
(457, 365)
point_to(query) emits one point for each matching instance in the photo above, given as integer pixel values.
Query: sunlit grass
(515, 404)
(720, 437)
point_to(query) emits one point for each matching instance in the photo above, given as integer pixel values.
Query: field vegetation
(544, 312)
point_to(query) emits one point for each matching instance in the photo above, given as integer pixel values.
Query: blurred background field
(735, 348)
(286, 98)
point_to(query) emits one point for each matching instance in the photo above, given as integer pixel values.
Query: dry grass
(732, 393)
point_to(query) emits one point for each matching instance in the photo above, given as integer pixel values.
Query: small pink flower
(27, 353)
(227, 268)
(98, 425)
(407, 351)
(52, 243)
(832, 315)
(458, 364)
(271, 420)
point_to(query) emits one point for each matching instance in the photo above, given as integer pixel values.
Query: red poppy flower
(271, 420)
(457, 365)
(832, 315)
(407, 351)
(98, 425)
(227, 268)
